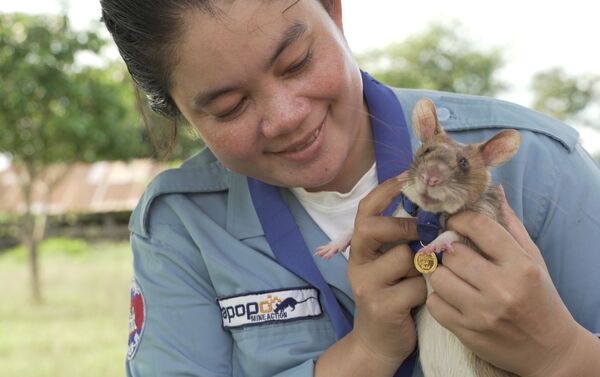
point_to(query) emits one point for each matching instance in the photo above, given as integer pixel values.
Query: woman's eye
(301, 64)
(233, 112)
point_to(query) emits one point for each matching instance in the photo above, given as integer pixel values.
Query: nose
(283, 112)
(432, 175)
(429, 180)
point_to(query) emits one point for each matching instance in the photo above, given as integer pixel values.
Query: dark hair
(146, 32)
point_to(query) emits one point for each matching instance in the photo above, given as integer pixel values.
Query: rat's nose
(432, 175)
(429, 180)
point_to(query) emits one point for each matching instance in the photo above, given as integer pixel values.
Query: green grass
(81, 327)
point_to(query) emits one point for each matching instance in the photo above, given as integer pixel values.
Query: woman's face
(274, 91)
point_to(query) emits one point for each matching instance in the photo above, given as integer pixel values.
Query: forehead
(234, 34)
(445, 145)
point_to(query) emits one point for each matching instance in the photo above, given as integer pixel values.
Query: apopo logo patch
(264, 307)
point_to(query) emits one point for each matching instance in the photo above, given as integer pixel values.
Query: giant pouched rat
(447, 177)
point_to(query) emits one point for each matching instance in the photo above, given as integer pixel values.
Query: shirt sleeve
(182, 333)
(561, 208)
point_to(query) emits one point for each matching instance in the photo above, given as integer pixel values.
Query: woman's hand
(505, 308)
(385, 285)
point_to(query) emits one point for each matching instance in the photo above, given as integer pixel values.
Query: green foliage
(54, 110)
(564, 96)
(439, 58)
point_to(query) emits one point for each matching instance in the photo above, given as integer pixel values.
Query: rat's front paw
(442, 243)
(334, 247)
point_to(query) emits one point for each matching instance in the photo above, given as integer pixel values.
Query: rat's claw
(448, 247)
(437, 247)
(442, 243)
(327, 251)
(334, 247)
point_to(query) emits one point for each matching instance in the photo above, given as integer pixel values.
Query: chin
(436, 204)
(316, 183)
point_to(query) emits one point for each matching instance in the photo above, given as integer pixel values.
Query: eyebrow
(203, 98)
(290, 35)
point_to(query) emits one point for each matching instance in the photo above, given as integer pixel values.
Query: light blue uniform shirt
(196, 239)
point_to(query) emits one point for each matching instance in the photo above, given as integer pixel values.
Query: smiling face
(273, 90)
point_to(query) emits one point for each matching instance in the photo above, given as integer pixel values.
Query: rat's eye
(463, 163)
(427, 150)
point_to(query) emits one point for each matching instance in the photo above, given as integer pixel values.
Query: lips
(306, 148)
(303, 144)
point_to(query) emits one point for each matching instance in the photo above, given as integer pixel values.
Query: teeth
(310, 141)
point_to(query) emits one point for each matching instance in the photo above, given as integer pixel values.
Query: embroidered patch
(273, 306)
(137, 314)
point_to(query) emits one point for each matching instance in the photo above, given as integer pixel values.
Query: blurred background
(75, 155)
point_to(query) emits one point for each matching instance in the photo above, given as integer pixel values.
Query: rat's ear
(500, 148)
(425, 121)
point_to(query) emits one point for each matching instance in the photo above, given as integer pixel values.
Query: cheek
(333, 78)
(230, 144)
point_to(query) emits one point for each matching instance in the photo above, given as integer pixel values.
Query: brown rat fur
(447, 177)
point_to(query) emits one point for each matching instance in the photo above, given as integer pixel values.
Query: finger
(394, 265)
(489, 236)
(390, 229)
(516, 228)
(453, 290)
(408, 293)
(372, 232)
(381, 197)
(444, 313)
(469, 265)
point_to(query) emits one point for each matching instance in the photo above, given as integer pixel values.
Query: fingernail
(501, 190)
(402, 178)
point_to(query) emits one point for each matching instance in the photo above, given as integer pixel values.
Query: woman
(223, 285)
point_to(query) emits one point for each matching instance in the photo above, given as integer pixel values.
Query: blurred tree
(439, 58)
(565, 96)
(54, 110)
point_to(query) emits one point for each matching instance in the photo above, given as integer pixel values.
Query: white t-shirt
(335, 212)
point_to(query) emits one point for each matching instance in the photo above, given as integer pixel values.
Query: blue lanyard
(393, 155)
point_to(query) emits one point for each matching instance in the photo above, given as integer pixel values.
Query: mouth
(303, 144)
(305, 149)
(428, 200)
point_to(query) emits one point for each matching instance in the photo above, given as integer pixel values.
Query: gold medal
(425, 263)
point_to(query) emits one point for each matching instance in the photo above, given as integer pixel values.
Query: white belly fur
(441, 353)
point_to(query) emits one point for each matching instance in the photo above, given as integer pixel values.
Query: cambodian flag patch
(137, 314)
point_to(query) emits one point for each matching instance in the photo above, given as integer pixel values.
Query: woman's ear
(335, 12)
